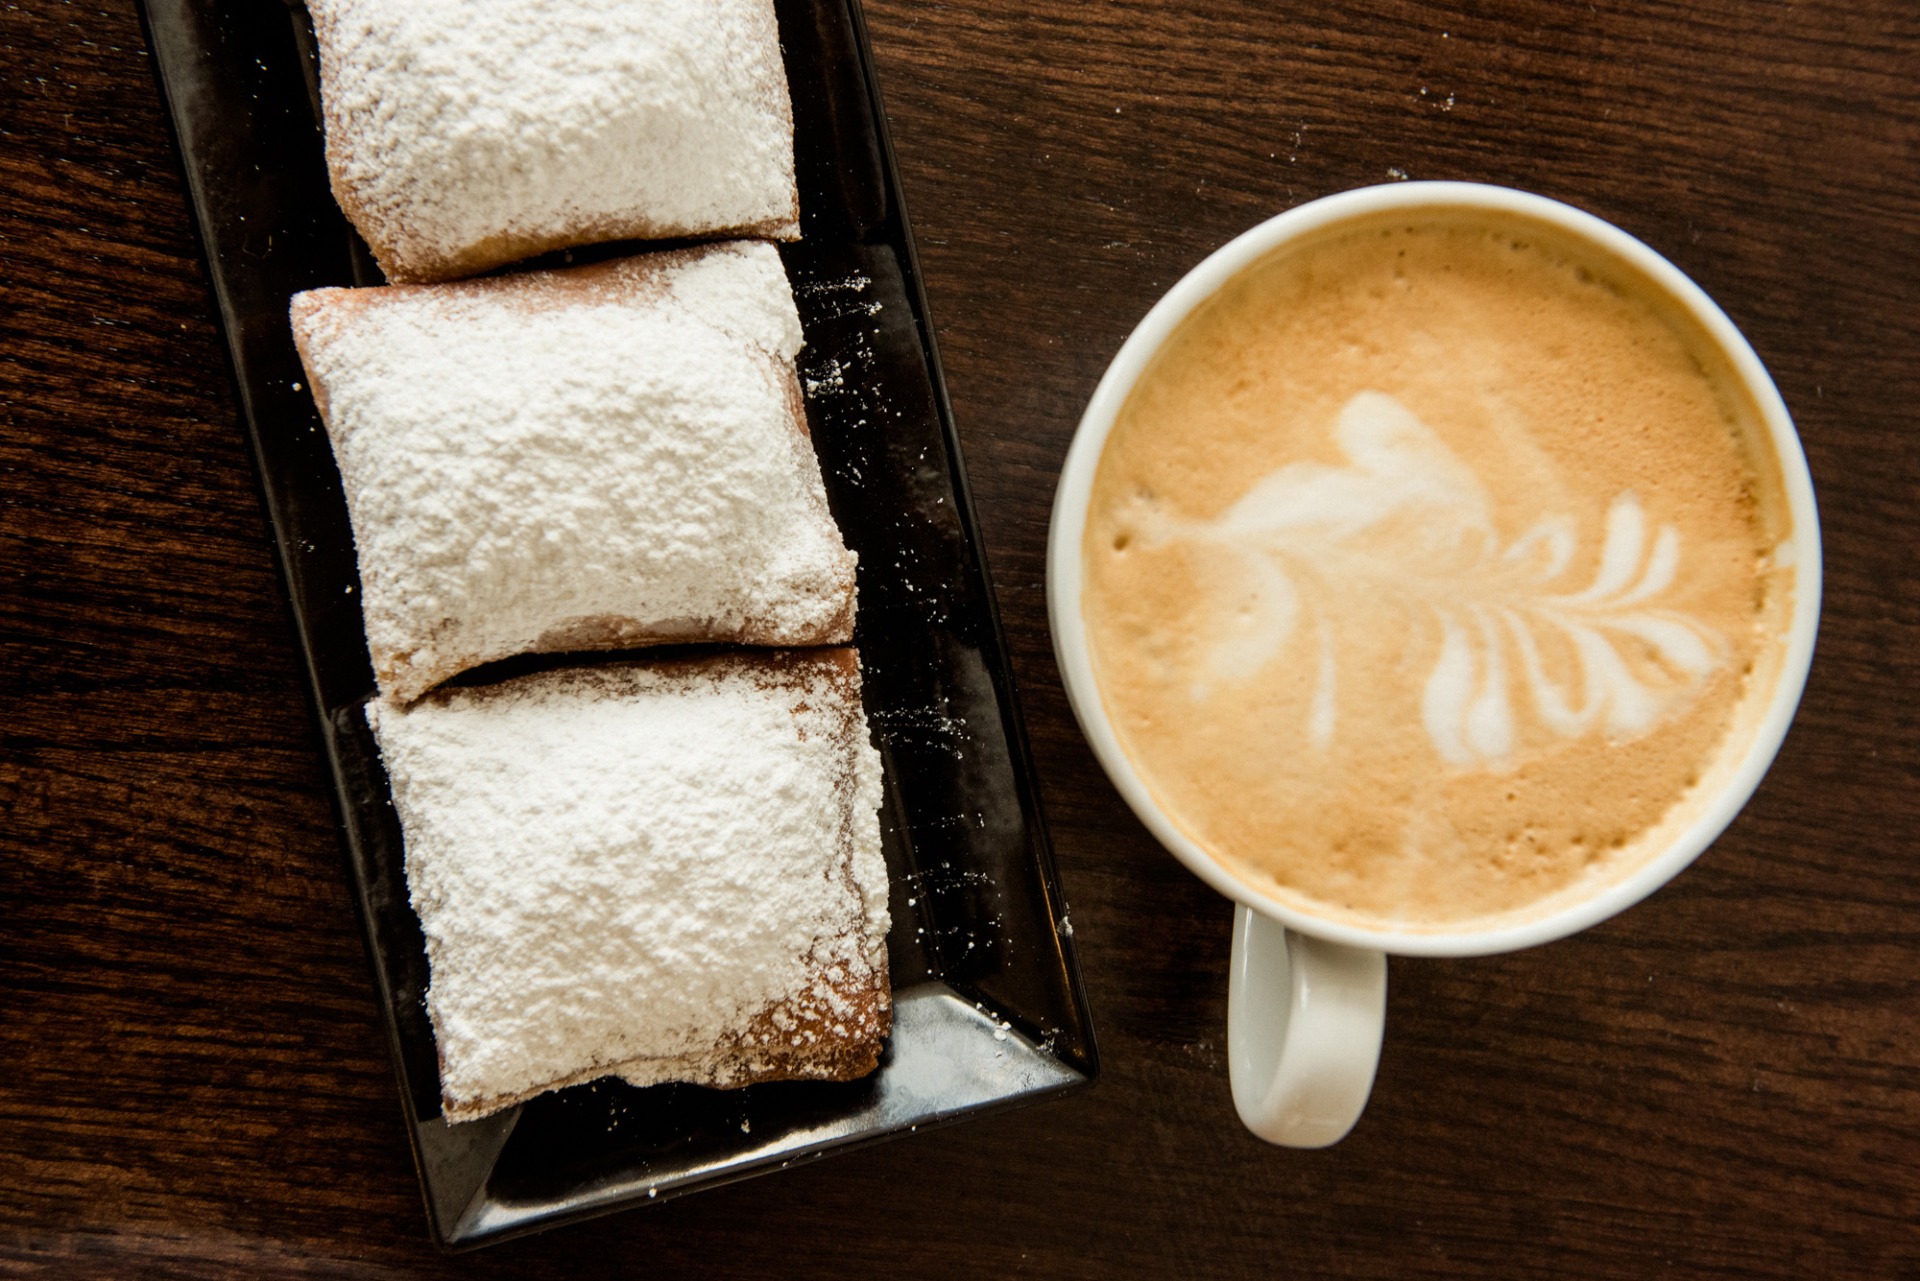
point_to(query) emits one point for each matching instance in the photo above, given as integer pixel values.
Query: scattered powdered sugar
(662, 872)
(597, 457)
(830, 377)
(463, 134)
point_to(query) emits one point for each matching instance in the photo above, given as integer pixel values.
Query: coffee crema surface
(1434, 569)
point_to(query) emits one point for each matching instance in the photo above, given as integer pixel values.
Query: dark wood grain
(1723, 1082)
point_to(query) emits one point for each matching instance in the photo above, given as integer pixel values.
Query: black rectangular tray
(989, 1010)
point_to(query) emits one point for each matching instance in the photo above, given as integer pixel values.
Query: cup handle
(1304, 1021)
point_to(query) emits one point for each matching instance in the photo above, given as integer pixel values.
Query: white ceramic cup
(1306, 1000)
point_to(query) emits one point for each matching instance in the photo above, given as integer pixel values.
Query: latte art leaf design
(1406, 522)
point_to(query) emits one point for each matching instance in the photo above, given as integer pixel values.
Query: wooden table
(1725, 1081)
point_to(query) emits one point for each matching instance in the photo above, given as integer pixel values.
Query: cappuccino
(1433, 572)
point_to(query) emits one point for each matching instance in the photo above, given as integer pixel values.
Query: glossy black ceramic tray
(989, 1009)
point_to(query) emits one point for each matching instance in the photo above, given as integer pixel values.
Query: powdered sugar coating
(662, 873)
(465, 134)
(601, 457)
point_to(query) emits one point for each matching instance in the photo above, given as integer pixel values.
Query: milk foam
(1430, 571)
(1407, 520)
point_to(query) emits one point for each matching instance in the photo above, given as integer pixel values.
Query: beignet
(462, 135)
(592, 458)
(662, 871)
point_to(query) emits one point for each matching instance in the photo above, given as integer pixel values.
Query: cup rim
(1072, 497)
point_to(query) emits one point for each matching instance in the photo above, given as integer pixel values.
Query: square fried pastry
(664, 871)
(462, 135)
(598, 457)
